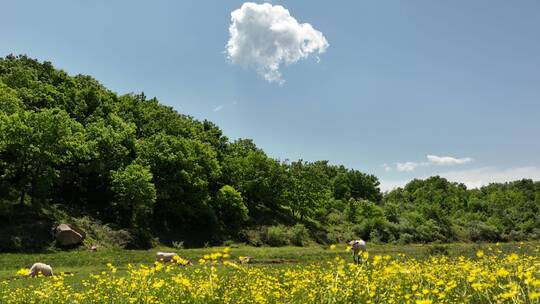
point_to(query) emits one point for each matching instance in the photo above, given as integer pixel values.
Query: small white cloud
(447, 160)
(387, 168)
(218, 108)
(475, 178)
(407, 166)
(432, 160)
(266, 36)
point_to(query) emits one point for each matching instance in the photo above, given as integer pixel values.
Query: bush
(480, 231)
(376, 236)
(516, 235)
(429, 231)
(277, 236)
(535, 234)
(101, 235)
(334, 218)
(341, 234)
(142, 238)
(119, 238)
(321, 237)
(438, 250)
(228, 243)
(252, 237)
(299, 235)
(230, 208)
(405, 238)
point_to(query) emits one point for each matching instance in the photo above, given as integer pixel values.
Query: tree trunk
(23, 194)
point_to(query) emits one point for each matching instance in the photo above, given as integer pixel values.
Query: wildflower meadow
(489, 276)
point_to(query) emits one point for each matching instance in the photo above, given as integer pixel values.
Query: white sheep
(37, 268)
(165, 256)
(245, 259)
(357, 246)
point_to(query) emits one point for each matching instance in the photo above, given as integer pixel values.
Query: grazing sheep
(165, 256)
(357, 246)
(245, 260)
(37, 268)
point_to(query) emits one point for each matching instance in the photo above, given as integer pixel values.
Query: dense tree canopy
(129, 161)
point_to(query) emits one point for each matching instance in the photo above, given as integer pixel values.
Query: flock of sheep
(165, 257)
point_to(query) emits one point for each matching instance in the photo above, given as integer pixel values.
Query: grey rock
(68, 235)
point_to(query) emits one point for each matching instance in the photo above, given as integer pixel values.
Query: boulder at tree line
(68, 235)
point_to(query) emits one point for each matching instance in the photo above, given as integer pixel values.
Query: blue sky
(398, 81)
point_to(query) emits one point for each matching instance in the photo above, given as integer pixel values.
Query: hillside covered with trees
(71, 147)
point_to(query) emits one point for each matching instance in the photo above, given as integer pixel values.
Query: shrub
(142, 238)
(299, 235)
(101, 235)
(429, 231)
(516, 235)
(405, 238)
(321, 237)
(341, 234)
(535, 234)
(119, 238)
(480, 231)
(228, 243)
(376, 236)
(334, 218)
(277, 236)
(438, 250)
(252, 237)
(230, 208)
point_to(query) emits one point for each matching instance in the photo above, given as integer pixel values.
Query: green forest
(71, 149)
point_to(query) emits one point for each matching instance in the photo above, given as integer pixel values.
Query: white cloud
(432, 160)
(218, 108)
(407, 166)
(448, 160)
(265, 36)
(387, 168)
(475, 178)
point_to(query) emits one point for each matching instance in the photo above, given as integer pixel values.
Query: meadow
(454, 273)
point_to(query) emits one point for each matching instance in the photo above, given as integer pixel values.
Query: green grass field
(84, 263)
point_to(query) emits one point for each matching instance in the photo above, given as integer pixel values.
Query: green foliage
(230, 208)
(101, 236)
(134, 191)
(353, 184)
(34, 147)
(139, 166)
(438, 250)
(260, 179)
(252, 237)
(308, 187)
(9, 102)
(277, 236)
(299, 235)
(438, 210)
(480, 231)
